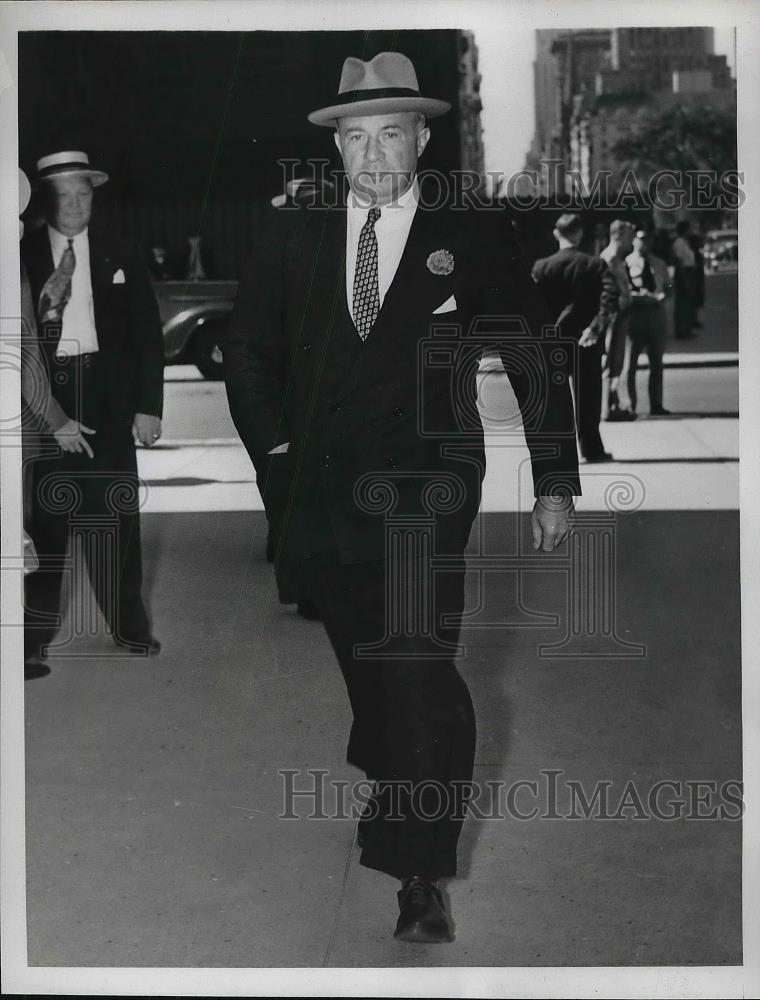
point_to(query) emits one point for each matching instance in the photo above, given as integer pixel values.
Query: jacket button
(392, 463)
(399, 411)
(326, 462)
(336, 409)
(307, 347)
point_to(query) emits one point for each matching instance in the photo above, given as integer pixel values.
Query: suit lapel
(414, 291)
(38, 258)
(317, 264)
(101, 276)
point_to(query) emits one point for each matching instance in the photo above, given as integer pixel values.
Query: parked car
(194, 315)
(721, 250)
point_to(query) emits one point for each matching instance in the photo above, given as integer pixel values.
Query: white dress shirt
(78, 333)
(392, 231)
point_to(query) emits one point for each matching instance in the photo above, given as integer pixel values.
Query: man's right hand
(588, 338)
(70, 437)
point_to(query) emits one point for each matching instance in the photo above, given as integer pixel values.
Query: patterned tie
(57, 289)
(366, 289)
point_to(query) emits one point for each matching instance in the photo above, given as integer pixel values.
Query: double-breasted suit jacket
(388, 425)
(127, 322)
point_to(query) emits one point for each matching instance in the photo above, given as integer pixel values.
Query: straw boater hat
(386, 83)
(69, 164)
(24, 191)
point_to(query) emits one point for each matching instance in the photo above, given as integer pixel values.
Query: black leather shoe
(617, 415)
(34, 668)
(599, 456)
(659, 411)
(308, 610)
(147, 646)
(423, 918)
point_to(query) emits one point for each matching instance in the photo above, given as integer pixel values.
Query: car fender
(179, 329)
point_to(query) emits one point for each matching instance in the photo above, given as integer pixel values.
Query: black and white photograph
(380, 586)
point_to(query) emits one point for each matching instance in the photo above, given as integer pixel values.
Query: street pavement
(153, 791)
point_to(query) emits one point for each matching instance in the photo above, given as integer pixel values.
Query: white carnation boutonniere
(441, 262)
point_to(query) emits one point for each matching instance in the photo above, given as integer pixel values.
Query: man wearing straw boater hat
(101, 341)
(328, 383)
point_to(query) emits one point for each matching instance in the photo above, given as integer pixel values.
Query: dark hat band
(378, 93)
(66, 168)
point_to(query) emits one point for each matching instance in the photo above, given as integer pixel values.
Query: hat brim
(428, 106)
(24, 192)
(97, 177)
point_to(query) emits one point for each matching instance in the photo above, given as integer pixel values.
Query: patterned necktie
(57, 289)
(366, 289)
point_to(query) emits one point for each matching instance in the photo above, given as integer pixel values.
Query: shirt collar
(406, 202)
(57, 238)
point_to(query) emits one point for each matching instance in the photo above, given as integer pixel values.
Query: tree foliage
(682, 137)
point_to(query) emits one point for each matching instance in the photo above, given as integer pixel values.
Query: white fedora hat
(386, 83)
(67, 164)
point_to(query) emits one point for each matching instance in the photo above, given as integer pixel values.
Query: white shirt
(392, 231)
(78, 333)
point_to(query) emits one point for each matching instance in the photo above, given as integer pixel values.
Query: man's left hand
(146, 429)
(551, 522)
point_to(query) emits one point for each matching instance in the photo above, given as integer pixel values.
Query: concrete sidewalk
(153, 791)
(692, 461)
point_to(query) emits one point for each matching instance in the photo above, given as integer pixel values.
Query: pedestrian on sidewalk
(617, 348)
(571, 283)
(686, 282)
(323, 354)
(100, 338)
(648, 319)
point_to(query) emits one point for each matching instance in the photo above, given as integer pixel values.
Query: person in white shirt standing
(100, 338)
(685, 261)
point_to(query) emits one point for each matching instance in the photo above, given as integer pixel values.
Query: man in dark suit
(571, 282)
(326, 378)
(101, 342)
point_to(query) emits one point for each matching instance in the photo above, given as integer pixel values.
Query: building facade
(591, 84)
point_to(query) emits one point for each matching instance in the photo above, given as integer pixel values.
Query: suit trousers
(686, 301)
(616, 364)
(96, 498)
(648, 333)
(413, 730)
(587, 391)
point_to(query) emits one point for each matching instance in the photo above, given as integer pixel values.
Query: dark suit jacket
(571, 283)
(400, 406)
(127, 321)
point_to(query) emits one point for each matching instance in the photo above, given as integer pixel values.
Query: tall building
(470, 106)
(588, 83)
(567, 63)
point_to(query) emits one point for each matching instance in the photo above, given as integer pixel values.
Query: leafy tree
(681, 137)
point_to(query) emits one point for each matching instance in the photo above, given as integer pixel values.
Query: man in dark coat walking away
(572, 284)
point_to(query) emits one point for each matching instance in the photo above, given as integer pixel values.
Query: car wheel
(206, 353)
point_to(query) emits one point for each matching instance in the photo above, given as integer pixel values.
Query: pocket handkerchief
(118, 278)
(448, 306)
(280, 449)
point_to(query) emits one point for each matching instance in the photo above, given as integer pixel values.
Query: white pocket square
(118, 278)
(280, 449)
(446, 307)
